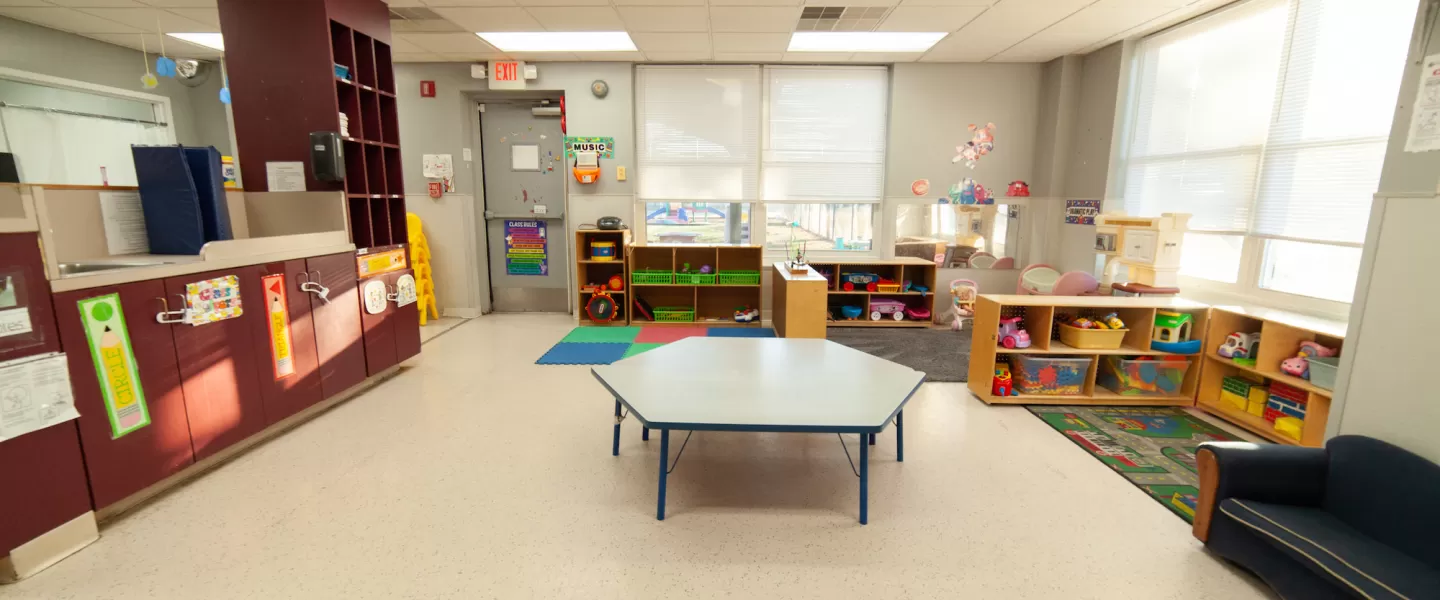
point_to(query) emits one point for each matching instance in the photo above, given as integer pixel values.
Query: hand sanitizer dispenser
(587, 167)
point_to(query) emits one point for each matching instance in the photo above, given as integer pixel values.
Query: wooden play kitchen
(878, 292)
(689, 284)
(1228, 361)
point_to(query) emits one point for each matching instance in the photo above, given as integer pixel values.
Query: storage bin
(1322, 371)
(674, 314)
(1163, 376)
(694, 279)
(1092, 339)
(739, 277)
(1050, 376)
(887, 288)
(652, 276)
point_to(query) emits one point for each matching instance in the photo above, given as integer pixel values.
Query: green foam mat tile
(602, 335)
(638, 348)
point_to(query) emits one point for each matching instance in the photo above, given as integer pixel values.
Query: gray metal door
(525, 171)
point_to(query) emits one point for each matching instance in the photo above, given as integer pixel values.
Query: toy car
(1240, 345)
(919, 313)
(880, 307)
(1011, 335)
(746, 314)
(867, 280)
(851, 312)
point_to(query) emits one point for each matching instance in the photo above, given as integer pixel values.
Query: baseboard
(460, 313)
(201, 467)
(51, 547)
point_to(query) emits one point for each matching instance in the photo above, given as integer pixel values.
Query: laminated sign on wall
(277, 309)
(1081, 212)
(212, 300)
(34, 394)
(602, 146)
(115, 368)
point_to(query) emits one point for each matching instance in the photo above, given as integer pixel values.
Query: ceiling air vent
(420, 19)
(841, 18)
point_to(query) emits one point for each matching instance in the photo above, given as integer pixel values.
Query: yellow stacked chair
(420, 261)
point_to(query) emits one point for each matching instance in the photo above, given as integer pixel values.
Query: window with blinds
(1269, 123)
(825, 134)
(699, 133)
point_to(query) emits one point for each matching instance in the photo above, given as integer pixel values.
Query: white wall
(1385, 388)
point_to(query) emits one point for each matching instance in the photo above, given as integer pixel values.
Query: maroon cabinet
(380, 351)
(219, 366)
(286, 395)
(121, 467)
(338, 338)
(407, 322)
(24, 299)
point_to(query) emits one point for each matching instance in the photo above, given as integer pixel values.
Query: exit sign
(507, 75)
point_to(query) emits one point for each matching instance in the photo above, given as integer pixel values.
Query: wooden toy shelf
(714, 303)
(598, 272)
(1280, 336)
(901, 269)
(1039, 313)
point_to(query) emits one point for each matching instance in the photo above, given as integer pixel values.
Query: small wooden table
(798, 301)
(761, 385)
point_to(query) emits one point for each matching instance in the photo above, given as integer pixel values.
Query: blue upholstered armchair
(1359, 518)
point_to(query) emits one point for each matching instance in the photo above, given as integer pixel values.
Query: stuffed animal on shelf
(1300, 367)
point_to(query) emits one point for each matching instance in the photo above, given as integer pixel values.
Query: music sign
(603, 146)
(507, 75)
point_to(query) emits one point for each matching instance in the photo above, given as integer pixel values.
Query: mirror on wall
(963, 236)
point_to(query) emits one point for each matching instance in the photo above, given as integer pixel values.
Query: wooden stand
(1280, 336)
(1039, 313)
(901, 269)
(589, 272)
(798, 303)
(714, 304)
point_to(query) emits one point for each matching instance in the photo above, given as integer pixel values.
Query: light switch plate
(619, 173)
(465, 154)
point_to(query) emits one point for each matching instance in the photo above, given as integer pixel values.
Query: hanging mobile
(164, 65)
(148, 79)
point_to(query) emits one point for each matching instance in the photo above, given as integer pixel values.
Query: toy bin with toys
(1143, 376)
(1049, 375)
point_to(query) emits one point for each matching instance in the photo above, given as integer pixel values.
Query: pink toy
(918, 313)
(880, 307)
(1018, 189)
(1300, 367)
(1044, 280)
(1011, 335)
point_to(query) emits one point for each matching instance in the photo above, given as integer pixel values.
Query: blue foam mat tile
(741, 332)
(578, 353)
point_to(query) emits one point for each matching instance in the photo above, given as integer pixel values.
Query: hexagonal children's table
(761, 385)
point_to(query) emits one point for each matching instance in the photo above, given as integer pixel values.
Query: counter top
(214, 256)
(809, 275)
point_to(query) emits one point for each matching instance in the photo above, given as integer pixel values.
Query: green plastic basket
(674, 314)
(652, 276)
(695, 279)
(739, 278)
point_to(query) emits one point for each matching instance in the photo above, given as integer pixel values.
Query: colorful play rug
(605, 345)
(1154, 448)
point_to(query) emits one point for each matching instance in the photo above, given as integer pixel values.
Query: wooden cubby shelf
(918, 271)
(598, 272)
(374, 177)
(1280, 336)
(714, 303)
(1038, 313)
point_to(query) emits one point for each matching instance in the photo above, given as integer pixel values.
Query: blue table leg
(664, 458)
(900, 436)
(864, 483)
(615, 445)
(872, 439)
(645, 434)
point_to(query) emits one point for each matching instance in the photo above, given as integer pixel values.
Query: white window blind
(1327, 142)
(1205, 93)
(698, 132)
(825, 134)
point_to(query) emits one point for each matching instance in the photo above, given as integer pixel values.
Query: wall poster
(34, 394)
(119, 376)
(1081, 212)
(277, 309)
(525, 248)
(212, 300)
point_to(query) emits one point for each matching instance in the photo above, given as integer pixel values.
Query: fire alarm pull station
(587, 167)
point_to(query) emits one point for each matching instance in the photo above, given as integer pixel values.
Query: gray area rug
(943, 355)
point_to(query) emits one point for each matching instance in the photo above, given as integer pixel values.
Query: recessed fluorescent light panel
(559, 41)
(208, 40)
(862, 41)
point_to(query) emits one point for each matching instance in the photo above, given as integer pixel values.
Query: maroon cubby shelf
(389, 121)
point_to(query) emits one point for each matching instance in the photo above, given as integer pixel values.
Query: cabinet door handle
(392, 296)
(167, 316)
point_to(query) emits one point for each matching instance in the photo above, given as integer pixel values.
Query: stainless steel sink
(83, 268)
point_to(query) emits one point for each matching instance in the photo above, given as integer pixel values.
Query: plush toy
(1300, 367)
(1018, 189)
(982, 195)
(982, 141)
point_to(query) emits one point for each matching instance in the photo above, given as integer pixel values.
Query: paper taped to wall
(124, 223)
(1425, 121)
(35, 394)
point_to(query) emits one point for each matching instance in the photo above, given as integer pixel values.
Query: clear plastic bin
(1322, 371)
(1164, 376)
(1050, 376)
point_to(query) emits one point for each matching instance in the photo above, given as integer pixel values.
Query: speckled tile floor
(477, 474)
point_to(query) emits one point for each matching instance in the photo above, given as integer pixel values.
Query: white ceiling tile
(851, 2)
(749, 56)
(402, 43)
(650, 43)
(470, 57)
(148, 19)
(181, 3)
(98, 3)
(491, 19)
(578, 18)
(749, 19)
(1159, 23)
(542, 57)
(443, 43)
(405, 3)
(563, 2)
(427, 25)
(208, 16)
(469, 3)
(610, 56)
(677, 56)
(817, 57)
(758, 2)
(929, 18)
(414, 57)
(666, 18)
(1001, 27)
(173, 47)
(885, 57)
(750, 42)
(68, 19)
(948, 2)
(1094, 23)
(24, 3)
(659, 2)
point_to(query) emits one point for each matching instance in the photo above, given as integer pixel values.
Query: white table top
(760, 384)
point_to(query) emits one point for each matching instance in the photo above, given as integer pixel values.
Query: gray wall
(198, 114)
(1384, 386)
(1088, 167)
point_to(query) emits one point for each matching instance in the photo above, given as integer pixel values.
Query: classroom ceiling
(673, 30)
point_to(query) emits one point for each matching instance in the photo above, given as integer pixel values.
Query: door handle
(392, 296)
(167, 316)
(314, 287)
